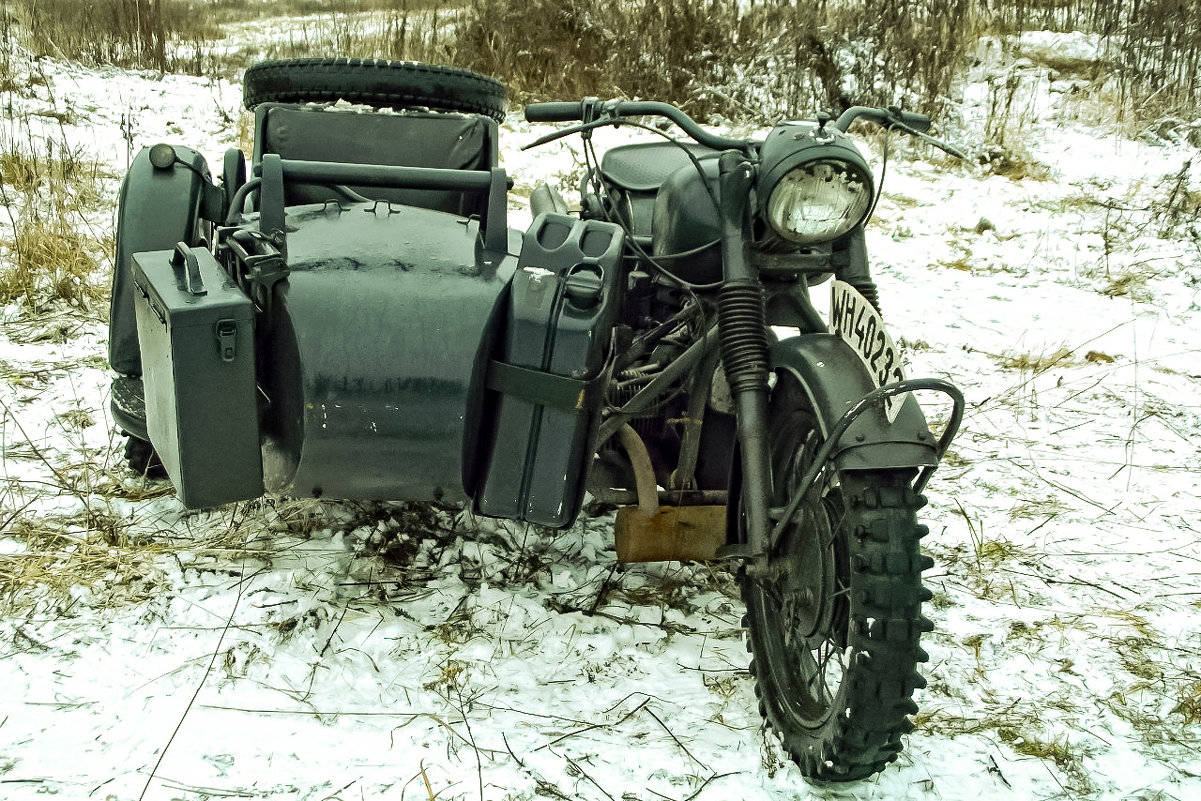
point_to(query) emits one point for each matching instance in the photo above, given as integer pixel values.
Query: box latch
(227, 339)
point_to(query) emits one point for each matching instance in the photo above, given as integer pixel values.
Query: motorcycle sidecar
(357, 320)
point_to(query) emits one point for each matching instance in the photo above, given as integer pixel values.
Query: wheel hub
(807, 583)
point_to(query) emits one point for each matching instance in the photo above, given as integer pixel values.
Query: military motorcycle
(352, 317)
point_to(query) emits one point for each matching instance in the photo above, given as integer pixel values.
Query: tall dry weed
(50, 257)
(1152, 48)
(51, 253)
(130, 33)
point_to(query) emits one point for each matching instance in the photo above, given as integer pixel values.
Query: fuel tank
(370, 349)
(685, 220)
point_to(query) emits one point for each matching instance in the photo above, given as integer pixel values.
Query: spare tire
(373, 82)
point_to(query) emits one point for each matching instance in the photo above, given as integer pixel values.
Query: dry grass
(1152, 52)
(718, 58)
(1061, 67)
(1013, 162)
(99, 559)
(962, 262)
(50, 259)
(1037, 509)
(129, 33)
(400, 30)
(653, 50)
(1067, 757)
(1159, 66)
(167, 35)
(1036, 362)
(118, 483)
(1180, 209)
(181, 35)
(1128, 284)
(1189, 704)
(1141, 704)
(1009, 111)
(60, 175)
(1019, 725)
(46, 188)
(64, 563)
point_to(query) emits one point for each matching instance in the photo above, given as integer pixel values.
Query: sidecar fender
(156, 209)
(835, 379)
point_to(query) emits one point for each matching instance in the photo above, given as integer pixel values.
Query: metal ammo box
(549, 370)
(197, 335)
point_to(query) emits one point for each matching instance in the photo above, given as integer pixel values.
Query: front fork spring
(742, 325)
(866, 287)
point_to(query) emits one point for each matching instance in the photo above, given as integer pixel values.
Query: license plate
(856, 322)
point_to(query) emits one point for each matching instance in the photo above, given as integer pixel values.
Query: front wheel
(834, 615)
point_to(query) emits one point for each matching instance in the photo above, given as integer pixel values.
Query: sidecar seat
(408, 139)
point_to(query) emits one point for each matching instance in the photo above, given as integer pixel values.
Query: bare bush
(545, 48)
(1151, 46)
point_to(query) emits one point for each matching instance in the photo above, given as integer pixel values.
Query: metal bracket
(257, 265)
(495, 223)
(272, 224)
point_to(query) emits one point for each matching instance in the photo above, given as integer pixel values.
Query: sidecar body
(351, 316)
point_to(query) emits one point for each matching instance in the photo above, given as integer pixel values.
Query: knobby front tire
(834, 619)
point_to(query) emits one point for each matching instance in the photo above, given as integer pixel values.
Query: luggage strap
(546, 389)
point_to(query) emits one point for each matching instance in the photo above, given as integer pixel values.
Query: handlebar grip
(918, 122)
(555, 111)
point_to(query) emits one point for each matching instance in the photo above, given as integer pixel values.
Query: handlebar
(891, 117)
(556, 111)
(591, 110)
(918, 122)
(592, 113)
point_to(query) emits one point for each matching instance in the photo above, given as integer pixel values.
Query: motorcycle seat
(644, 166)
(638, 170)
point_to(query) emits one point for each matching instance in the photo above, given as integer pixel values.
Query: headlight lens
(819, 201)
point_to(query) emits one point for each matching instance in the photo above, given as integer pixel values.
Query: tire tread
(375, 82)
(879, 682)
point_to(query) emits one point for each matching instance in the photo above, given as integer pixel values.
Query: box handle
(193, 283)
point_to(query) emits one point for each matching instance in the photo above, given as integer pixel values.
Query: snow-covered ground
(305, 650)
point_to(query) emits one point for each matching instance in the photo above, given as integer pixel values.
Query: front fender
(835, 379)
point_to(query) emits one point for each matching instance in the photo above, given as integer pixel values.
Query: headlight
(819, 201)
